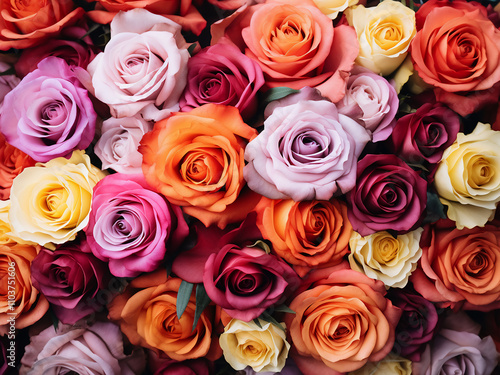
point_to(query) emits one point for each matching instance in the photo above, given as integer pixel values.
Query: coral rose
(460, 267)
(295, 44)
(27, 23)
(195, 159)
(341, 323)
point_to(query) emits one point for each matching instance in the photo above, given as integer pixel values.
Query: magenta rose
(198, 366)
(425, 134)
(131, 226)
(49, 114)
(371, 101)
(389, 195)
(221, 74)
(68, 277)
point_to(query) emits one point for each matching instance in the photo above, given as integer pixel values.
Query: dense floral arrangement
(249, 186)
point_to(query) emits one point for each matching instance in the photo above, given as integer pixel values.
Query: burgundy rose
(389, 195)
(425, 134)
(221, 74)
(69, 278)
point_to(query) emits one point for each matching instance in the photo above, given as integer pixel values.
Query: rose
(384, 34)
(7, 82)
(294, 43)
(332, 8)
(69, 278)
(384, 257)
(198, 366)
(132, 227)
(143, 67)
(72, 45)
(146, 312)
(21, 303)
(391, 364)
(305, 93)
(389, 195)
(26, 24)
(221, 74)
(50, 203)
(6, 235)
(457, 267)
(246, 281)
(308, 235)
(82, 349)
(457, 349)
(306, 151)
(49, 114)
(372, 102)
(228, 4)
(117, 148)
(179, 11)
(195, 159)
(425, 134)
(417, 325)
(466, 179)
(12, 162)
(263, 347)
(341, 323)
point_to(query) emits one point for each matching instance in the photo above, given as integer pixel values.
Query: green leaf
(191, 48)
(202, 301)
(92, 28)
(262, 245)
(55, 321)
(183, 296)
(257, 322)
(284, 308)
(268, 318)
(435, 209)
(277, 93)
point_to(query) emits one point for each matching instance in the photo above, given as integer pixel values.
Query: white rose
(332, 8)
(390, 365)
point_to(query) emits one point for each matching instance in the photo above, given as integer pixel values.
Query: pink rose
(132, 227)
(198, 366)
(7, 82)
(306, 151)
(389, 195)
(221, 74)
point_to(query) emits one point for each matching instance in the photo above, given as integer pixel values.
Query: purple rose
(389, 195)
(371, 101)
(306, 151)
(199, 366)
(425, 134)
(68, 277)
(131, 226)
(417, 324)
(49, 114)
(221, 74)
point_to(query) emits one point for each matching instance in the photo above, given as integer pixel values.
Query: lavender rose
(371, 101)
(306, 151)
(131, 226)
(49, 114)
(96, 349)
(221, 74)
(389, 195)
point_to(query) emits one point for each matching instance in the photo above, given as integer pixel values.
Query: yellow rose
(468, 177)
(332, 8)
(390, 365)
(384, 34)
(6, 235)
(382, 257)
(246, 344)
(50, 202)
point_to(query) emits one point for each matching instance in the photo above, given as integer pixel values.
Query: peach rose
(179, 11)
(146, 312)
(195, 159)
(20, 302)
(295, 44)
(341, 323)
(307, 234)
(27, 23)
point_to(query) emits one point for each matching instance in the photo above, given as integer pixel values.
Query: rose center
(481, 173)
(204, 166)
(386, 249)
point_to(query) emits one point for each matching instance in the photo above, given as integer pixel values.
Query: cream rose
(468, 177)
(332, 8)
(390, 365)
(383, 257)
(6, 235)
(384, 34)
(262, 348)
(50, 202)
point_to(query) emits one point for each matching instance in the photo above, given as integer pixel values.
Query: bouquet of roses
(249, 186)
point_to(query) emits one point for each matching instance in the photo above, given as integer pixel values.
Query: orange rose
(294, 43)
(179, 11)
(341, 323)
(146, 312)
(195, 159)
(460, 267)
(27, 23)
(12, 162)
(19, 300)
(308, 234)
